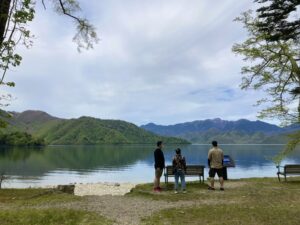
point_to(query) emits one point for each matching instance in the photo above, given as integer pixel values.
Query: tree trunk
(298, 94)
(4, 11)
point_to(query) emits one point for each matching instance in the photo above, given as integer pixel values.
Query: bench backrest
(190, 170)
(292, 169)
(195, 170)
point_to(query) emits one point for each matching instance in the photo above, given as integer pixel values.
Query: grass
(235, 214)
(43, 206)
(245, 202)
(51, 217)
(35, 196)
(145, 191)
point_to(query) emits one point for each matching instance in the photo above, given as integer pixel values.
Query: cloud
(157, 61)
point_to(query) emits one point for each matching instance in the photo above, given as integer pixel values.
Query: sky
(157, 61)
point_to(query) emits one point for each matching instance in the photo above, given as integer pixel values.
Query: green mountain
(226, 132)
(235, 137)
(84, 130)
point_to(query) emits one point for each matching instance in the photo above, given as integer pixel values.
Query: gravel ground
(108, 200)
(111, 202)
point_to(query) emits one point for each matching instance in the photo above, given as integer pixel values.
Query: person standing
(215, 164)
(159, 165)
(179, 168)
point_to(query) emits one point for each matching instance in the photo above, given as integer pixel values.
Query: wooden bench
(191, 170)
(292, 169)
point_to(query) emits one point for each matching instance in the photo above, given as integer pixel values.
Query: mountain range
(84, 130)
(89, 130)
(227, 132)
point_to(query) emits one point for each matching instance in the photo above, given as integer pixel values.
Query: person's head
(159, 144)
(214, 143)
(178, 151)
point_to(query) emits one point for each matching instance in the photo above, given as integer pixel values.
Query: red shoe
(156, 189)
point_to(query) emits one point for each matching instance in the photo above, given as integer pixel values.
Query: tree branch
(80, 21)
(43, 2)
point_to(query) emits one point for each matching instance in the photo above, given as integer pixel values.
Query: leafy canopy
(272, 53)
(272, 67)
(279, 19)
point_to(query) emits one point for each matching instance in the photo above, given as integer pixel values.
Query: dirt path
(126, 210)
(130, 210)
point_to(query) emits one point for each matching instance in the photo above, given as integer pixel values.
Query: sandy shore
(100, 189)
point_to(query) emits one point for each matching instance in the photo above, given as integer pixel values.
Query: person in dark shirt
(159, 165)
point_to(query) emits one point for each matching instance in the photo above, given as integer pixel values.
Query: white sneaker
(175, 192)
(184, 191)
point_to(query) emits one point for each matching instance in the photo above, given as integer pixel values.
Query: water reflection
(122, 163)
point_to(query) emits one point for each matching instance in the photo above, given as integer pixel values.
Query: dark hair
(214, 143)
(159, 143)
(178, 151)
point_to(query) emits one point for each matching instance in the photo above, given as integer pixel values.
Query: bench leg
(166, 179)
(285, 178)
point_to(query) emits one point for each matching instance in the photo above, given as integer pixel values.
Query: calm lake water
(53, 165)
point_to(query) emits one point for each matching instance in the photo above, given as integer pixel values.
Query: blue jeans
(182, 179)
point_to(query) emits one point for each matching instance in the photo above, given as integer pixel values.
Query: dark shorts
(214, 171)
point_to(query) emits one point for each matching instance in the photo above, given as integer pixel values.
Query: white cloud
(157, 61)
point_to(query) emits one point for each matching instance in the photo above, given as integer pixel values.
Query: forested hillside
(84, 130)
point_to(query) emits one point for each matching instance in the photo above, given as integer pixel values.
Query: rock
(66, 188)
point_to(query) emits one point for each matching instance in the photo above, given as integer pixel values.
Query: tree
(14, 18)
(277, 20)
(274, 67)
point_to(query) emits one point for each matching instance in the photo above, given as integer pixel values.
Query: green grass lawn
(50, 217)
(35, 207)
(245, 201)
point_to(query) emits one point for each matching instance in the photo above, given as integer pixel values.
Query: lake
(53, 165)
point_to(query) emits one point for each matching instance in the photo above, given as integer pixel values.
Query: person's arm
(209, 158)
(155, 159)
(222, 159)
(184, 164)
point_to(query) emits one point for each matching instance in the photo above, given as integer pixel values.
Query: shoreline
(111, 188)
